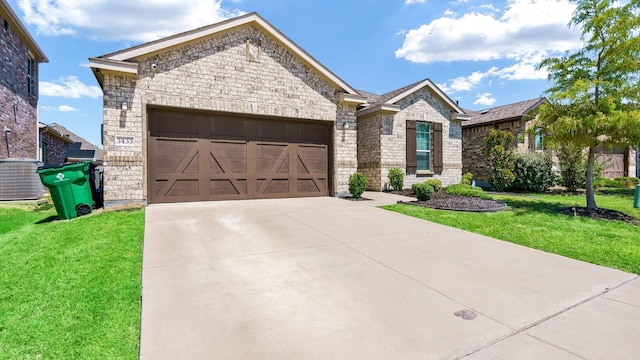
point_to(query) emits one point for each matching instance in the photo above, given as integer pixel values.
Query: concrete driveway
(326, 278)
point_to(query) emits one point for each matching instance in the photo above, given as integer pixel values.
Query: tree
(596, 90)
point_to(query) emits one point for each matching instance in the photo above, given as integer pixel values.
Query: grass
(535, 221)
(70, 289)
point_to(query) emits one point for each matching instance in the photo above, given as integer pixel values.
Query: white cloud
(69, 87)
(139, 20)
(408, 2)
(484, 99)
(524, 27)
(66, 108)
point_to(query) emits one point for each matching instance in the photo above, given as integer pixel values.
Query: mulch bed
(605, 214)
(443, 201)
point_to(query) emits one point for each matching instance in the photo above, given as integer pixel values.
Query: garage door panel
(226, 187)
(175, 125)
(236, 158)
(172, 153)
(228, 157)
(272, 158)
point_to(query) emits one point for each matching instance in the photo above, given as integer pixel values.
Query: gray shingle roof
(502, 113)
(84, 144)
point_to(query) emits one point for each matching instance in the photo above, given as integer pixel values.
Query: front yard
(70, 289)
(535, 221)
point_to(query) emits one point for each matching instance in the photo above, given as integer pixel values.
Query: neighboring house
(416, 128)
(514, 118)
(20, 56)
(53, 145)
(78, 148)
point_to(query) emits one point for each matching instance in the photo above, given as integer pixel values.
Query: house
(53, 145)
(78, 149)
(237, 110)
(20, 56)
(514, 118)
(416, 128)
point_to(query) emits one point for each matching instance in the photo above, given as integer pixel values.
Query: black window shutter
(437, 147)
(411, 147)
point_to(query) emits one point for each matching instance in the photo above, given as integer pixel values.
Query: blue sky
(481, 53)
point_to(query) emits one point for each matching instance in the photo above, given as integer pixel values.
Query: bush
(396, 178)
(466, 179)
(627, 182)
(573, 166)
(498, 150)
(436, 184)
(466, 190)
(423, 191)
(532, 172)
(357, 184)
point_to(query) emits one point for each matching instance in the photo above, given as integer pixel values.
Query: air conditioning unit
(19, 180)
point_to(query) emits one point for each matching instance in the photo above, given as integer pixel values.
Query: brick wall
(56, 149)
(17, 106)
(473, 159)
(369, 148)
(217, 74)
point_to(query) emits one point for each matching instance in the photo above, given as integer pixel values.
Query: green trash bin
(69, 187)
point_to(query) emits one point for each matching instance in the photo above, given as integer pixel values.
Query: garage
(204, 156)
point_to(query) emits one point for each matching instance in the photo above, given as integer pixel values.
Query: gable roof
(387, 101)
(14, 22)
(124, 61)
(503, 113)
(84, 144)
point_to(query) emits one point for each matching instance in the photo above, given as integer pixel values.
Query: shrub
(498, 150)
(423, 191)
(607, 183)
(357, 184)
(573, 167)
(466, 190)
(436, 184)
(466, 179)
(414, 186)
(396, 178)
(627, 182)
(532, 172)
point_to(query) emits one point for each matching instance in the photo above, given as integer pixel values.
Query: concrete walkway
(326, 278)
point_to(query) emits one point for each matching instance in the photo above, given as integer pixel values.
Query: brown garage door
(201, 157)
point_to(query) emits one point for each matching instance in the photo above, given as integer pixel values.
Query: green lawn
(535, 221)
(70, 289)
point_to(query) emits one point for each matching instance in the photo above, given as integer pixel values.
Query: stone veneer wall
(421, 106)
(22, 120)
(369, 148)
(218, 74)
(473, 159)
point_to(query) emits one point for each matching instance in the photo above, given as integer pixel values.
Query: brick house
(20, 56)
(416, 128)
(53, 145)
(237, 110)
(516, 118)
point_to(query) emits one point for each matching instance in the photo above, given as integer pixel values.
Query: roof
(387, 101)
(125, 61)
(14, 22)
(84, 144)
(44, 128)
(503, 113)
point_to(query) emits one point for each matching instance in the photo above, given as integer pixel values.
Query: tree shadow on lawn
(521, 207)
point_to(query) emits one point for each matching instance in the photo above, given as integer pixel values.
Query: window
(539, 140)
(5, 25)
(31, 76)
(423, 146)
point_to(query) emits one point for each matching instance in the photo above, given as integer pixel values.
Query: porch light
(124, 106)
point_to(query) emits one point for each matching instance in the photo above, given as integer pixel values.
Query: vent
(19, 180)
